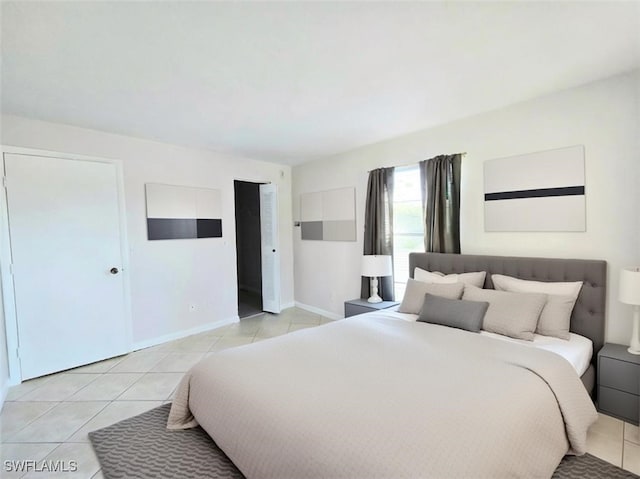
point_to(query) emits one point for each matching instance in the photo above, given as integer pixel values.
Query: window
(408, 227)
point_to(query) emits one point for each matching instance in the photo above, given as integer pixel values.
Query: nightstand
(360, 306)
(619, 382)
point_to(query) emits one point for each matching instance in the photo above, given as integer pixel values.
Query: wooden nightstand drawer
(619, 404)
(620, 375)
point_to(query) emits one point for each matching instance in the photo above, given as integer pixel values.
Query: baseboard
(147, 343)
(322, 312)
(288, 305)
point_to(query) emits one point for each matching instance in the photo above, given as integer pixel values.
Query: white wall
(167, 276)
(4, 357)
(603, 116)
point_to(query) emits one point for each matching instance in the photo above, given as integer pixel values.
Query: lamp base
(374, 298)
(634, 344)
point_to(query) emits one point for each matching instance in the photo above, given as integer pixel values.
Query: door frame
(257, 180)
(235, 216)
(8, 292)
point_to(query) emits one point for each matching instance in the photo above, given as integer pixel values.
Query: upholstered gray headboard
(589, 312)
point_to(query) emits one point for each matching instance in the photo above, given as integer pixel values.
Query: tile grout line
(624, 426)
(55, 403)
(34, 389)
(85, 423)
(99, 375)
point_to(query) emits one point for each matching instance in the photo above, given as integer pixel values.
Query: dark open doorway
(248, 254)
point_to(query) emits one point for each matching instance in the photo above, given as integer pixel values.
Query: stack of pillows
(515, 308)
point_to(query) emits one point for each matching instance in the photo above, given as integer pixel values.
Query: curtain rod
(410, 164)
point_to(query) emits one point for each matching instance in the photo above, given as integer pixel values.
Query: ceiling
(292, 82)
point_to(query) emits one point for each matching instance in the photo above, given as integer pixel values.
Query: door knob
(114, 271)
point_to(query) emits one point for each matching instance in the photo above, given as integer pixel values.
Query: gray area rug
(142, 447)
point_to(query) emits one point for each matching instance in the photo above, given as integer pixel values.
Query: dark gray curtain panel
(378, 227)
(440, 180)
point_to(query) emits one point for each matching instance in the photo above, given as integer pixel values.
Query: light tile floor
(47, 419)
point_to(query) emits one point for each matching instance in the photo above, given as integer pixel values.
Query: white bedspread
(578, 350)
(369, 397)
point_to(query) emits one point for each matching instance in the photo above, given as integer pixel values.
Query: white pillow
(474, 279)
(517, 285)
(555, 318)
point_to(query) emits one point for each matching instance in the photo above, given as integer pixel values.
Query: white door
(270, 248)
(64, 229)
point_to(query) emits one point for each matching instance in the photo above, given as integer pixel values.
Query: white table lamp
(374, 266)
(629, 293)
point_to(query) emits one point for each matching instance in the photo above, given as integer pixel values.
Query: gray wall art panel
(343, 230)
(311, 230)
(543, 191)
(328, 215)
(181, 212)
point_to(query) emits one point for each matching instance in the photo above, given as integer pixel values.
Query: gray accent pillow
(414, 294)
(455, 313)
(510, 314)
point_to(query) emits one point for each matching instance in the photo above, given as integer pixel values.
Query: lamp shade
(629, 290)
(376, 265)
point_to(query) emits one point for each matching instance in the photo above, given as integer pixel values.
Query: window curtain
(378, 227)
(440, 181)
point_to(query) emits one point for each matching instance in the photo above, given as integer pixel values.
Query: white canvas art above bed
(543, 191)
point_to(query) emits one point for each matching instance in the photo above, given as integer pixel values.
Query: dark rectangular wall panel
(536, 193)
(171, 228)
(209, 228)
(183, 228)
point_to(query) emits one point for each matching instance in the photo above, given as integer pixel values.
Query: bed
(376, 397)
(588, 317)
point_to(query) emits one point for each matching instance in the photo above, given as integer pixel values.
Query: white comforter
(369, 397)
(578, 350)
